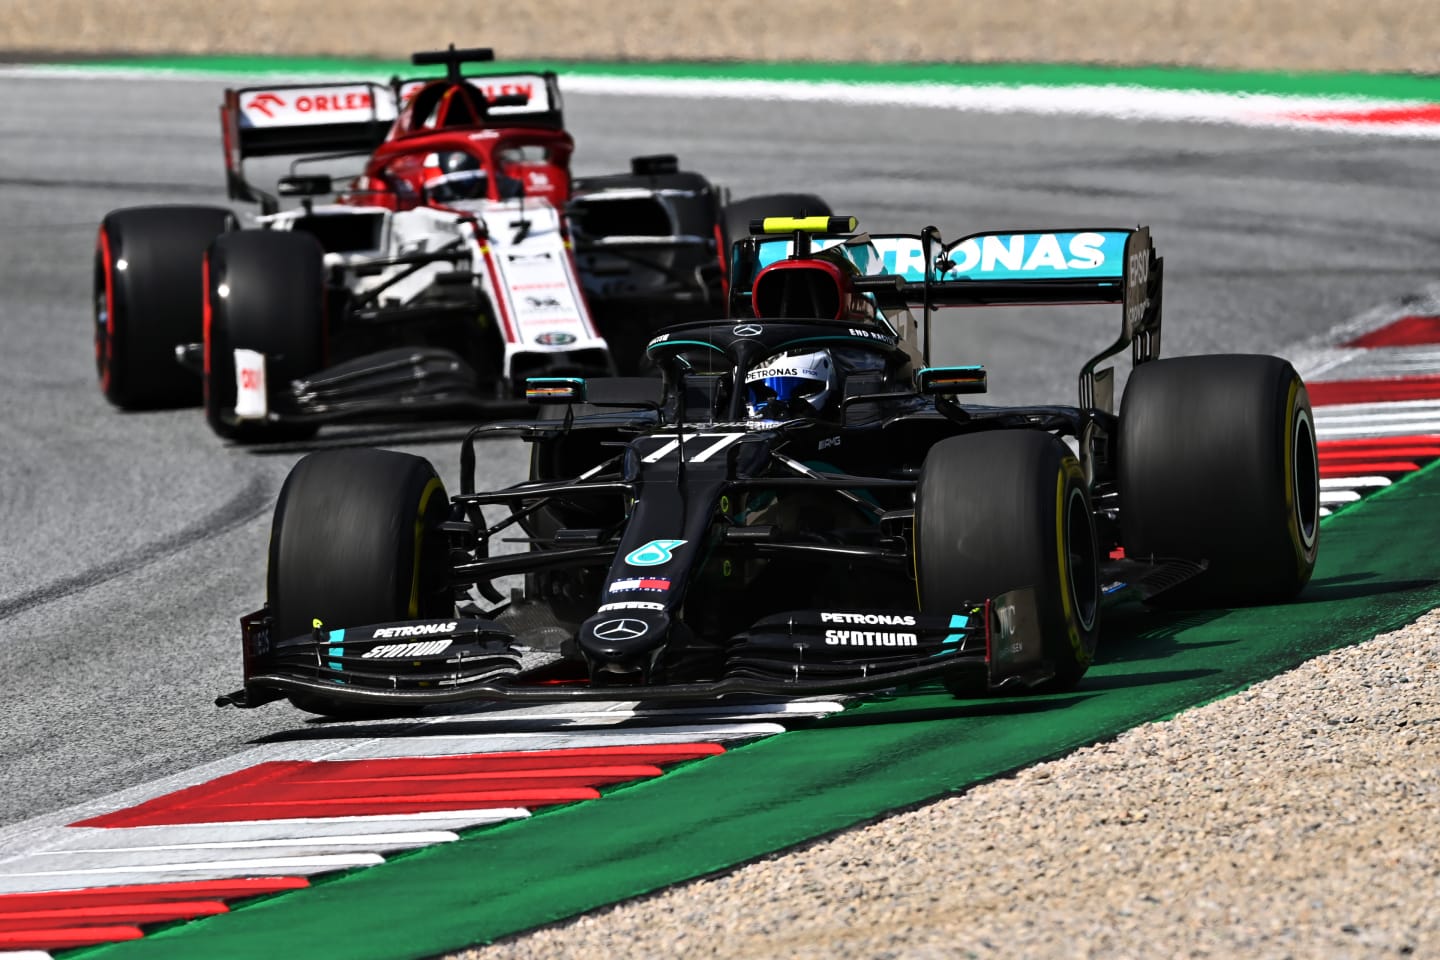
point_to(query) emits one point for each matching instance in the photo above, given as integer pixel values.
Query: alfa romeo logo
(747, 330)
(622, 629)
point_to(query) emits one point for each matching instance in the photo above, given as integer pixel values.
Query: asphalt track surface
(132, 543)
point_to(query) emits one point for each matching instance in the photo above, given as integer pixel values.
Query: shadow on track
(1356, 587)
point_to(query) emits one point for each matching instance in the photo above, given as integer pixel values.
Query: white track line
(1353, 483)
(1376, 429)
(123, 841)
(451, 745)
(1379, 408)
(231, 832)
(1404, 358)
(1097, 100)
(243, 857)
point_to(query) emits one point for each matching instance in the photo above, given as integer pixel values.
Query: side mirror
(548, 390)
(310, 185)
(951, 381)
(655, 165)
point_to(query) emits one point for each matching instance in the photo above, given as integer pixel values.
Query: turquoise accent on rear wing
(1087, 255)
(1044, 255)
(1033, 267)
(1041, 255)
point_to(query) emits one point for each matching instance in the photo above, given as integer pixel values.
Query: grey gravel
(1295, 819)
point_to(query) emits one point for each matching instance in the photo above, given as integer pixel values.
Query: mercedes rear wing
(997, 268)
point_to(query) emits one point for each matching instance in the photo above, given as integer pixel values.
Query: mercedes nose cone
(624, 638)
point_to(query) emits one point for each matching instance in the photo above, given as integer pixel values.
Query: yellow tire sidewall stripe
(431, 488)
(1069, 470)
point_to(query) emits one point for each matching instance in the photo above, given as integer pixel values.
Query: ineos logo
(747, 330)
(624, 629)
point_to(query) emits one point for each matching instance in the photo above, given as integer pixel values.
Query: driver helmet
(460, 176)
(454, 161)
(790, 385)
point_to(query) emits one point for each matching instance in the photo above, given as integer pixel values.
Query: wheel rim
(1084, 575)
(102, 341)
(103, 345)
(1305, 474)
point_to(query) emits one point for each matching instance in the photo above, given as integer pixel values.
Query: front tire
(356, 539)
(265, 291)
(1002, 510)
(148, 300)
(1218, 462)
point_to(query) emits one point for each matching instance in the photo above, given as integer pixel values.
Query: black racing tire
(1001, 510)
(1218, 462)
(265, 291)
(148, 299)
(739, 213)
(356, 539)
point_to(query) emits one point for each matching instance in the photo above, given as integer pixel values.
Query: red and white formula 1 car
(462, 259)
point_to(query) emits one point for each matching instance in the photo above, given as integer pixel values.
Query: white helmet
(789, 385)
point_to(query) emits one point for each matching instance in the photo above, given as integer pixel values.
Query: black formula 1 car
(804, 504)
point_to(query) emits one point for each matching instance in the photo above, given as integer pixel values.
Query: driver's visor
(783, 389)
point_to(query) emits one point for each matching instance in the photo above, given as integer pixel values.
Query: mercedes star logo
(625, 629)
(747, 330)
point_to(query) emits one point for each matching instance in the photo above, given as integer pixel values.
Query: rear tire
(1218, 462)
(148, 300)
(265, 292)
(356, 539)
(1007, 509)
(739, 214)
